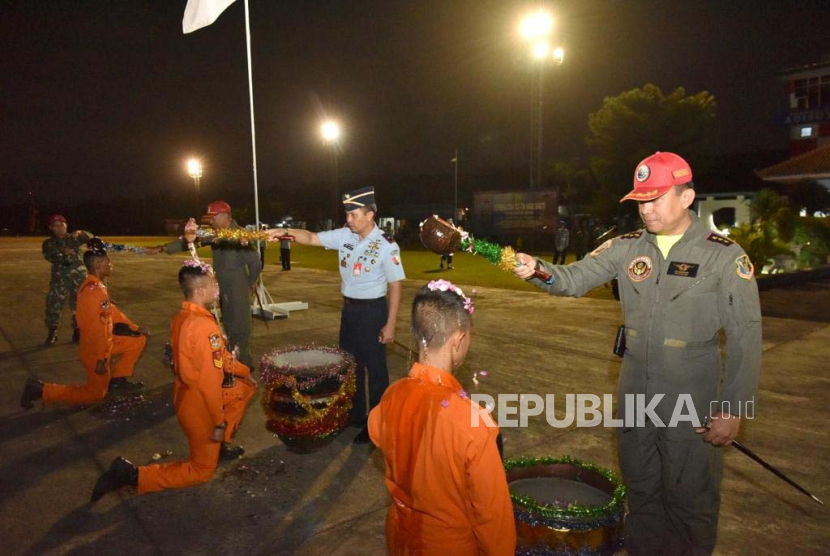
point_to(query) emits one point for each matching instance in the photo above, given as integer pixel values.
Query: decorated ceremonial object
(308, 394)
(658, 173)
(442, 238)
(564, 506)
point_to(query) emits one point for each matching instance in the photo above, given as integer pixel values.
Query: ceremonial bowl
(307, 395)
(564, 507)
(439, 236)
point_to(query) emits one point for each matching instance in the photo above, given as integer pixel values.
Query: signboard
(806, 116)
(514, 212)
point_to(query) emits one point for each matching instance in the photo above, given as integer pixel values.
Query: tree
(638, 123)
(772, 228)
(810, 196)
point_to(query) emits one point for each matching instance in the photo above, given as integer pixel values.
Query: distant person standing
(582, 242)
(285, 254)
(63, 250)
(560, 243)
(448, 257)
(237, 268)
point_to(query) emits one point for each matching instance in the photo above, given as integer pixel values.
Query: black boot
(76, 335)
(121, 473)
(52, 337)
(228, 452)
(32, 391)
(122, 384)
(362, 437)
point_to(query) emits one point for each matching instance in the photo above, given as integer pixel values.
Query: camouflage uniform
(68, 273)
(674, 308)
(237, 268)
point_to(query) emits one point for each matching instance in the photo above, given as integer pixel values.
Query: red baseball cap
(218, 207)
(56, 218)
(657, 174)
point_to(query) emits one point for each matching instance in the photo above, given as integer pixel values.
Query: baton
(741, 448)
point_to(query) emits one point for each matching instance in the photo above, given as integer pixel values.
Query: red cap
(657, 174)
(218, 207)
(56, 218)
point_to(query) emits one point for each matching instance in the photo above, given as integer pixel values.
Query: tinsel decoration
(503, 257)
(124, 247)
(307, 405)
(237, 235)
(611, 510)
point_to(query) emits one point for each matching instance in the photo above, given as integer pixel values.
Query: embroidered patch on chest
(686, 270)
(640, 268)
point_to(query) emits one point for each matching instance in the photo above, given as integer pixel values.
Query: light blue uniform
(366, 266)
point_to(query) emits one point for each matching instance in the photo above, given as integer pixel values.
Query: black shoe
(76, 335)
(32, 391)
(52, 337)
(121, 384)
(229, 453)
(121, 473)
(362, 437)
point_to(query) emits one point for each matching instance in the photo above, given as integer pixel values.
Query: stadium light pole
(330, 131)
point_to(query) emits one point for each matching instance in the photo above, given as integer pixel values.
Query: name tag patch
(686, 270)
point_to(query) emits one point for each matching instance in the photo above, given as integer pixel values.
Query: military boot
(32, 391)
(228, 452)
(52, 337)
(121, 473)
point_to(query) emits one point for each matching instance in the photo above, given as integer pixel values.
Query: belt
(353, 301)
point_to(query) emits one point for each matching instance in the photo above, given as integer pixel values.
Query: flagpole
(455, 202)
(253, 129)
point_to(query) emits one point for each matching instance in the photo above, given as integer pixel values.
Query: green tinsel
(490, 251)
(529, 503)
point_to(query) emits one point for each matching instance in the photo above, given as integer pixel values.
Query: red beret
(56, 218)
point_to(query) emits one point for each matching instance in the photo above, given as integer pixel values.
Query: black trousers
(285, 258)
(559, 255)
(360, 324)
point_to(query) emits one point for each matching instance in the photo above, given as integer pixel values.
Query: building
(808, 121)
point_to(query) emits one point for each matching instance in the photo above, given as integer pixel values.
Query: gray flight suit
(237, 268)
(674, 309)
(68, 273)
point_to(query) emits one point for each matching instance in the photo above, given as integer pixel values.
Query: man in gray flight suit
(680, 284)
(370, 272)
(63, 250)
(237, 267)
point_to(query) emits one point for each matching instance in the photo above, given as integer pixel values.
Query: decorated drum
(564, 507)
(307, 394)
(439, 236)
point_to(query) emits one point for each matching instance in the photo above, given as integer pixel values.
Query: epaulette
(719, 239)
(632, 235)
(387, 237)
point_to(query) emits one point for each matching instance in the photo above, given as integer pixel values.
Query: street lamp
(194, 169)
(330, 131)
(536, 29)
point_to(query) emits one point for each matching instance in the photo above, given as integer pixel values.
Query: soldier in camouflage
(63, 250)
(680, 284)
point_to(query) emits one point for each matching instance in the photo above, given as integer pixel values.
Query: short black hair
(189, 279)
(371, 206)
(436, 315)
(90, 257)
(679, 189)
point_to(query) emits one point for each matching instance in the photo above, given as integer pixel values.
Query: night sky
(104, 99)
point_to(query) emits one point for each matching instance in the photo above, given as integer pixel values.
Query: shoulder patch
(215, 341)
(387, 237)
(632, 235)
(719, 239)
(745, 269)
(601, 248)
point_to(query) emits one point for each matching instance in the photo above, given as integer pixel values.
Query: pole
(455, 202)
(335, 200)
(251, 99)
(198, 194)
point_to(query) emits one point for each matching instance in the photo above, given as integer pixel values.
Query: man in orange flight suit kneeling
(209, 401)
(110, 342)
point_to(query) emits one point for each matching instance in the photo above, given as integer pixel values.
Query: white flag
(201, 13)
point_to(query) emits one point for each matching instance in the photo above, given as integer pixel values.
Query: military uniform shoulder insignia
(745, 269)
(632, 235)
(387, 237)
(719, 239)
(215, 341)
(607, 244)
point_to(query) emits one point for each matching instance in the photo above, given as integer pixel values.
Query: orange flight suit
(200, 401)
(96, 314)
(447, 482)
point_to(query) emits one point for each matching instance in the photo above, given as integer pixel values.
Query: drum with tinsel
(564, 507)
(307, 394)
(439, 236)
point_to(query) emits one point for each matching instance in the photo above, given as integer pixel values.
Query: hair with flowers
(446, 285)
(194, 263)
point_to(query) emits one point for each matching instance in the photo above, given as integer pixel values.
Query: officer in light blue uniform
(371, 273)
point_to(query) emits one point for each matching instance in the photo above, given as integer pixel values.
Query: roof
(812, 165)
